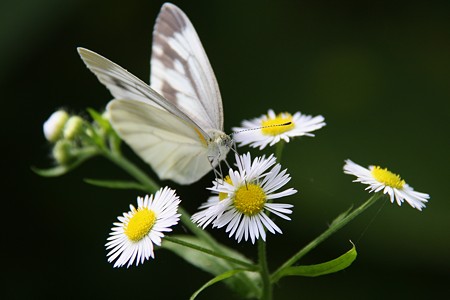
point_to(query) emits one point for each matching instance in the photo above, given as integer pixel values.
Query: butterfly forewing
(180, 69)
(124, 85)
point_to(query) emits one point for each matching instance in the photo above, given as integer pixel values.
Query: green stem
(85, 152)
(262, 253)
(131, 169)
(250, 267)
(335, 227)
(279, 150)
(202, 234)
(264, 271)
(114, 143)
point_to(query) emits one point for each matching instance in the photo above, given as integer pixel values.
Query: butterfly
(176, 125)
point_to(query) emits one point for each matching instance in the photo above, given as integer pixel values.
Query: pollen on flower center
(140, 224)
(269, 127)
(249, 199)
(223, 195)
(387, 177)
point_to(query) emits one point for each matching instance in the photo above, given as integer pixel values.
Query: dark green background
(377, 71)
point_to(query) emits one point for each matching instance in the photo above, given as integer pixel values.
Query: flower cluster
(244, 202)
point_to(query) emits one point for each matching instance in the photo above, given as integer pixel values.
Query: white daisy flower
(243, 198)
(271, 128)
(133, 237)
(382, 179)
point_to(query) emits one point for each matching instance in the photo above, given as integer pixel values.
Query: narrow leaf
(51, 172)
(332, 266)
(97, 117)
(245, 283)
(218, 278)
(116, 184)
(63, 169)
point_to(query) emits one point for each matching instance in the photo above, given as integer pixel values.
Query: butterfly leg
(217, 171)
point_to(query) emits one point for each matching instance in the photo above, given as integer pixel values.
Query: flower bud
(62, 152)
(73, 127)
(53, 127)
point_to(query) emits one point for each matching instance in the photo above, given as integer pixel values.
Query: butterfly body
(176, 124)
(219, 145)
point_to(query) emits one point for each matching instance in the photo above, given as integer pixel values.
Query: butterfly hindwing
(161, 140)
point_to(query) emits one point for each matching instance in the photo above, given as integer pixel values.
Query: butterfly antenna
(258, 128)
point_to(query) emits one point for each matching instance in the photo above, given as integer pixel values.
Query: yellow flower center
(249, 199)
(281, 123)
(223, 195)
(387, 177)
(140, 224)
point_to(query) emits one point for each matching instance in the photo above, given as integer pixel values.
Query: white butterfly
(176, 125)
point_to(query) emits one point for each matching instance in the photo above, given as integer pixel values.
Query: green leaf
(114, 140)
(332, 266)
(98, 118)
(63, 169)
(51, 172)
(246, 283)
(116, 184)
(218, 278)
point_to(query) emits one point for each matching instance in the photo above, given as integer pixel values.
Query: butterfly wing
(162, 140)
(124, 85)
(182, 73)
(180, 69)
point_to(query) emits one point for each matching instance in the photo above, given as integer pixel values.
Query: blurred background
(377, 71)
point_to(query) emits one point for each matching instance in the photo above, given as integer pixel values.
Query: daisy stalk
(264, 271)
(279, 150)
(335, 226)
(262, 251)
(250, 267)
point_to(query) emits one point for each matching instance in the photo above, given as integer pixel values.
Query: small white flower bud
(62, 152)
(53, 127)
(73, 127)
